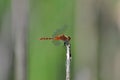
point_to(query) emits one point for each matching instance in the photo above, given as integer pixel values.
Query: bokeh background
(94, 27)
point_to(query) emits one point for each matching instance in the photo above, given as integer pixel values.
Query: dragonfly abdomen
(46, 38)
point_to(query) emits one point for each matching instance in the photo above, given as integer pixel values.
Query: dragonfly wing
(60, 31)
(57, 43)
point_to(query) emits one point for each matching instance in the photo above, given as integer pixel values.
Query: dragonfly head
(69, 38)
(66, 42)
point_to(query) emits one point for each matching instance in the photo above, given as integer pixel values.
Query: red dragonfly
(58, 36)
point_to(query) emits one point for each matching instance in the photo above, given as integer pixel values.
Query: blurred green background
(47, 61)
(94, 28)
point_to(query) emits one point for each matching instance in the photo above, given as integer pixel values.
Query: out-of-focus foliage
(6, 69)
(3, 6)
(47, 61)
(94, 27)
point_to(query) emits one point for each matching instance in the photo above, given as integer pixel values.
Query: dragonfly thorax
(62, 37)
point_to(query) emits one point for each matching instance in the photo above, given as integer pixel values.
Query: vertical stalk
(68, 60)
(19, 26)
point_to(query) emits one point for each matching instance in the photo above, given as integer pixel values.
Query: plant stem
(68, 60)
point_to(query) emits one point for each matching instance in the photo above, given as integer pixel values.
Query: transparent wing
(58, 32)
(56, 43)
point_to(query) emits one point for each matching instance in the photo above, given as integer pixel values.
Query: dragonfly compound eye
(69, 38)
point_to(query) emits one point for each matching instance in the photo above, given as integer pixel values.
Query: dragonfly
(58, 36)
